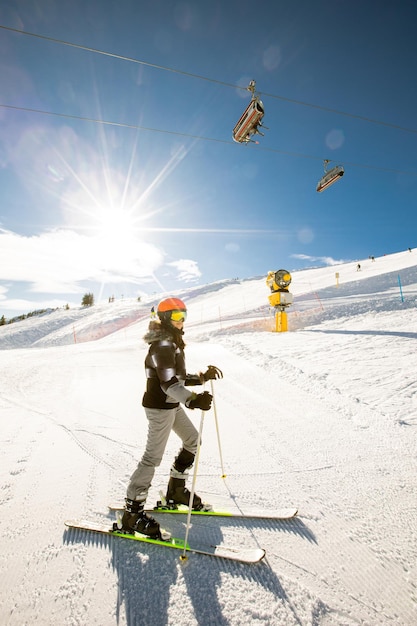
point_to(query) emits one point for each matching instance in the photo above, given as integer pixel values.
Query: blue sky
(160, 197)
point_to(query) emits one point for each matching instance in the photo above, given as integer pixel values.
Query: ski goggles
(178, 316)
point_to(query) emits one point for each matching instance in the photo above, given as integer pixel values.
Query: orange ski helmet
(169, 306)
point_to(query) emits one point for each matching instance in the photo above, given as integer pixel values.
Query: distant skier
(165, 392)
(153, 314)
(358, 267)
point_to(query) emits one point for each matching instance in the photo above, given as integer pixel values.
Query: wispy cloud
(326, 260)
(188, 270)
(58, 261)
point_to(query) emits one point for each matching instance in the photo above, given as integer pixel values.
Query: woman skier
(166, 382)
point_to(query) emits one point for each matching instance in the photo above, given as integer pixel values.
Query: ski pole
(217, 430)
(184, 556)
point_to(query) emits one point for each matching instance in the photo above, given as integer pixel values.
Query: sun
(116, 224)
(105, 206)
(110, 203)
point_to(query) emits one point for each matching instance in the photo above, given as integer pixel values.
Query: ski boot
(177, 493)
(136, 520)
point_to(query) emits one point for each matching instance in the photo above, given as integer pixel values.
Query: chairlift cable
(198, 137)
(212, 80)
(120, 57)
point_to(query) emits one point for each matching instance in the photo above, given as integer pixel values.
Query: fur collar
(160, 332)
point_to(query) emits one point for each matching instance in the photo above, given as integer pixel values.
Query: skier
(165, 392)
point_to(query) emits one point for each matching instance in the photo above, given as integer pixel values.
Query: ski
(243, 555)
(182, 509)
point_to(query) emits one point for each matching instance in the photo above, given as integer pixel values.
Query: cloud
(327, 260)
(17, 305)
(3, 291)
(60, 260)
(187, 270)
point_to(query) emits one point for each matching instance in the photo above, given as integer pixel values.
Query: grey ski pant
(160, 424)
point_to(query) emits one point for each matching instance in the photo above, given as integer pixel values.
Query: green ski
(182, 509)
(243, 555)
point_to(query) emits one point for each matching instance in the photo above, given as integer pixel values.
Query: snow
(322, 417)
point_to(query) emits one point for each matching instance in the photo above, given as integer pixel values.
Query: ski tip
(248, 555)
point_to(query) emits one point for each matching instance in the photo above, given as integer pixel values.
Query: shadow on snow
(146, 573)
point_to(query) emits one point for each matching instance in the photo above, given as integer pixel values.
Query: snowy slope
(322, 417)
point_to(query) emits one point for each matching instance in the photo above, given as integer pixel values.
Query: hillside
(322, 417)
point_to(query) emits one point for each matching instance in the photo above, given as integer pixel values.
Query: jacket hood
(159, 332)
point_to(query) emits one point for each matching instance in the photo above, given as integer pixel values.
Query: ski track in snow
(322, 418)
(348, 524)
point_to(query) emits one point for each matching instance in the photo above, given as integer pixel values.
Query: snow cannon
(278, 281)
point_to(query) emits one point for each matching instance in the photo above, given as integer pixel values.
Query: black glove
(200, 401)
(212, 373)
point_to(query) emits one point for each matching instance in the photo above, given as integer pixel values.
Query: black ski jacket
(166, 376)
